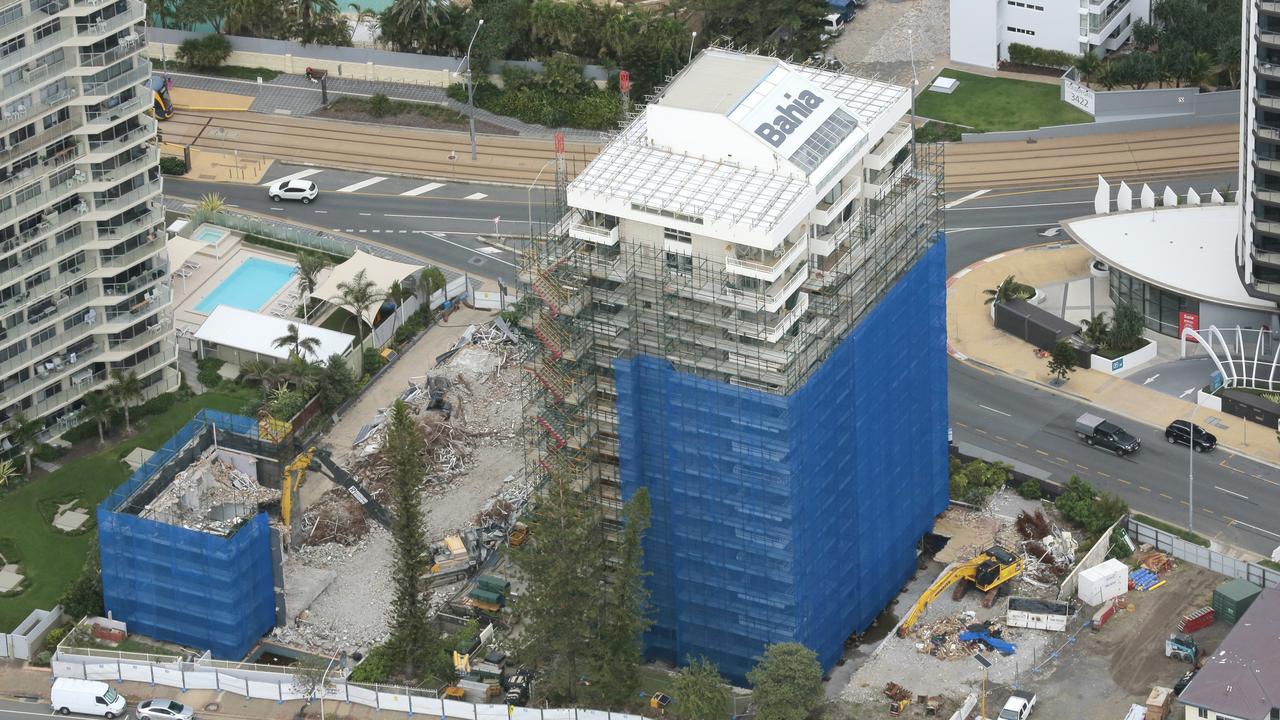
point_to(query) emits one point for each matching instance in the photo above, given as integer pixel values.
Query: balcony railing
(112, 145)
(111, 56)
(106, 88)
(140, 340)
(132, 257)
(122, 202)
(108, 116)
(34, 77)
(38, 48)
(594, 233)
(77, 386)
(145, 366)
(1098, 22)
(769, 270)
(132, 286)
(130, 228)
(47, 196)
(40, 139)
(149, 156)
(775, 330)
(131, 15)
(772, 299)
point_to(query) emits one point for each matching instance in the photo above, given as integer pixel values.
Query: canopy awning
(381, 272)
(180, 250)
(256, 333)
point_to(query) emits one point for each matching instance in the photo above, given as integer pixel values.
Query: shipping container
(493, 584)
(1038, 614)
(1232, 598)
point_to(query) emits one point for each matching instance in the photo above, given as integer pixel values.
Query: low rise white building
(982, 30)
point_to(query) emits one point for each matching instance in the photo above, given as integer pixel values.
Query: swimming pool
(249, 287)
(210, 235)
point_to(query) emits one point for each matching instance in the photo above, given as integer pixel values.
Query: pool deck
(191, 291)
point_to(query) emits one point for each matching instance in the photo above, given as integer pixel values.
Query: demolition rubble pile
(468, 408)
(1049, 551)
(211, 496)
(941, 638)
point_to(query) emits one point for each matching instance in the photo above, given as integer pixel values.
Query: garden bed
(408, 114)
(995, 104)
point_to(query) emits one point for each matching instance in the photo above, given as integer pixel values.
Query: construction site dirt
(1079, 673)
(469, 409)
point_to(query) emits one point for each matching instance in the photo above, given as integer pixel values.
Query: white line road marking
(323, 212)
(1151, 379)
(377, 231)
(1187, 392)
(1029, 205)
(460, 245)
(996, 227)
(350, 230)
(485, 250)
(1231, 492)
(475, 196)
(273, 207)
(232, 205)
(971, 196)
(403, 232)
(366, 214)
(422, 189)
(362, 184)
(999, 412)
(962, 273)
(1255, 527)
(296, 176)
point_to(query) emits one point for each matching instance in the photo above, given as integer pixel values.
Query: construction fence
(1204, 557)
(1096, 556)
(27, 637)
(265, 682)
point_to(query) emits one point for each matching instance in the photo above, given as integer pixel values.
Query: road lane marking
(422, 189)
(1255, 527)
(366, 214)
(1062, 460)
(1231, 492)
(1122, 480)
(1038, 450)
(1023, 206)
(999, 227)
(1144, 488)
(295, 176)
(1166, 496)
(322, 212)
(475, 196)
(1105, 474)
(1000, 412)
(1207, 510)
(362, 184)
(459, 245)
(971, 196)
(1022, 445)
(273, 207)
(494, 250)
(980, 430)
(961, 424)
(1081, 466)
(1002, 439)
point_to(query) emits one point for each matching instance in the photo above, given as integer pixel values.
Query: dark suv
(1182, 431)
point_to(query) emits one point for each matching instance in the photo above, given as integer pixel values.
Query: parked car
(87, 697)
(303, 190)
(1182, 431)
(1184, 681)
(1019, 706)
(1105, 434)
(165, 710)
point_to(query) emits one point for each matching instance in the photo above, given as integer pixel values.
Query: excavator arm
(963, 571)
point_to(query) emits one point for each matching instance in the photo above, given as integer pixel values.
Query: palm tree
(258, 371)
(1096, 330)
(98, 407)
(397, 294)
(311, 13)
(431, 280)
(357, 295)
(1107, 75)
(415, 16)
(309, 267)
(1087, 66)
(1199, 68)
(7, 472)
(125, 388)
(299, 346)
(368, 16)
(1008, 289)
(24, 431)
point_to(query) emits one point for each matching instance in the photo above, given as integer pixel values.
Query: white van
(89, 697)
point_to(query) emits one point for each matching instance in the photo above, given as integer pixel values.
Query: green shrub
(205, 52)
(1272, 564)
(336, 384)
(380, 105)
(1030, 489)
(55, 636)
(372, 361)
(1026, 55)
(156, 405)
(1093, 511)
(208, 371)
(939, 132)
(173, 166)
(83, 431)
(1173, 530)
(976, 481)
(374, 668)
(49, 453)
(274, 244)
(589, 107)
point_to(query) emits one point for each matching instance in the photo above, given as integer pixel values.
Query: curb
(961, 357)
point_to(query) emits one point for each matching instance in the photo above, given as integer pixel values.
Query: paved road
(452, 224)
(1234, 496)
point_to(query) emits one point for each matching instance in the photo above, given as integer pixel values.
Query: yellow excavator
(987, 571)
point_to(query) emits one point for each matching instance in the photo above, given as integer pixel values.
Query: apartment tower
(742, 310)
(82, 245)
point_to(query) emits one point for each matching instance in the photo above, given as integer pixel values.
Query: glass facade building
(1159, 307)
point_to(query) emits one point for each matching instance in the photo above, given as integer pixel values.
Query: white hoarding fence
(1204, 557)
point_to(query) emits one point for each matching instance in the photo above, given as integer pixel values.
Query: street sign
(1215, 381)
(624, 81)
(1117, 364)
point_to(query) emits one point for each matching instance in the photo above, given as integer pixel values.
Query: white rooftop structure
(380, 271)
(1189, 250)
(740, 147)
(256, 333)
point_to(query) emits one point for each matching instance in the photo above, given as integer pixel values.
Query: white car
(303, 190)
(165, 710)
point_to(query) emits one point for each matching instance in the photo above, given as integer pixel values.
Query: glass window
(47, 29)
(10, 14)
(680, 263)
(12, 45)
(677, 235)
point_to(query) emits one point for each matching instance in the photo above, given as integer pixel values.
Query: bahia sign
(783, 110)
(789, 118)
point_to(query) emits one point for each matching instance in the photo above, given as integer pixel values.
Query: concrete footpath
(973, 338)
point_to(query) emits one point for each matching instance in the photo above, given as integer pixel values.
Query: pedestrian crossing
(346, 181)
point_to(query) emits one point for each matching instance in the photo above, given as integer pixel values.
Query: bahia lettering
(789, 118)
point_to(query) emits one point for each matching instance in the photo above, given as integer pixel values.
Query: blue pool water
(209, 235)
(249, 287)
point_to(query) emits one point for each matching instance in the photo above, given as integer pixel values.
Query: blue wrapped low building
(187, 556)
(743, 311)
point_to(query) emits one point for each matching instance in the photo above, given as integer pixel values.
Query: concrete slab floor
(9, 580)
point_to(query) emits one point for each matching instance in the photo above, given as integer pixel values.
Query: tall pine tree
(414, 642)
(625, 618)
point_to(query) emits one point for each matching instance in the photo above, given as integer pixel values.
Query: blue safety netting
(195, 588)
(791, 518)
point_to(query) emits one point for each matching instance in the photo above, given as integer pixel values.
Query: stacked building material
(1144, 580)
(1197, 620)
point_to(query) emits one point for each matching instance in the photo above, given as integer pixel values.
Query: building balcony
(1271, 227)
(594, 233)
(1271, 39)
(33, 77)
(38, 353)
(1266, 69)
(767, 270)
(144, 367)
(106, 88)
(882, 156)
(148, 278)
(104, 208)
(145, 157)
(38, 140)
(38, 47)
(36, 12)
(1102, 21)
(97, 119)
(1267, 196)
(1267, 132)
(135, 13)
(1270, 258)
(1269, 6)
(113, 264)
(774, 331)
(770, 300)
(103, 150)
(124, 347)
(1265, 290)
(133, 227)
(77, 386)
(1267, 164)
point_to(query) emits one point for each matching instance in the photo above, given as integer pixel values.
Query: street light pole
(471, 100)
(915, 88)
(1191, 472)
(693, 39)
(529, 196)
(323, 678)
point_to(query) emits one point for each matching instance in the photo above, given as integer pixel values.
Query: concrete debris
(215, 494)
(468, 409)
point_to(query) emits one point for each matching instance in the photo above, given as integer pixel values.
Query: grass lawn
(991, 104)
(438, 113)
(228, 71)
(50, 559)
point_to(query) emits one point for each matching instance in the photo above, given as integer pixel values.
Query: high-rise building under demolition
(742, 310)
(82, 247)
